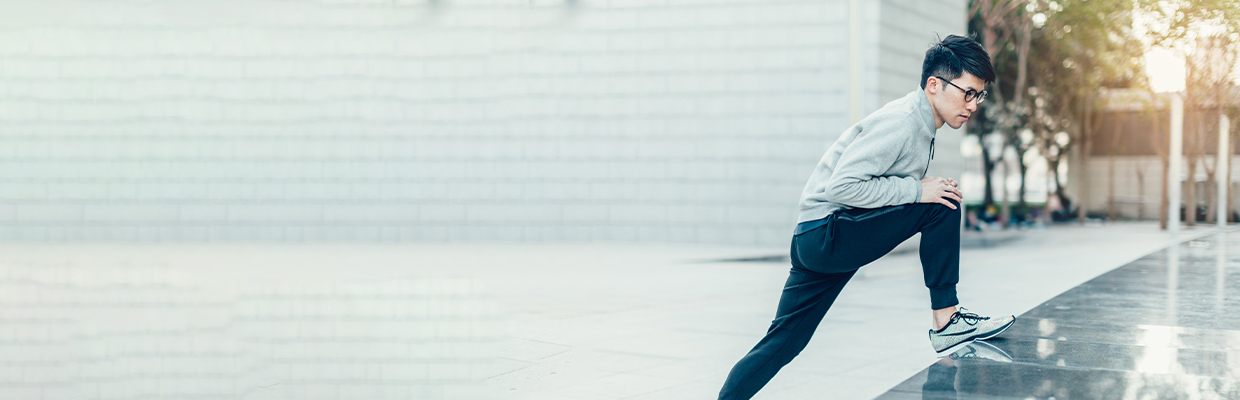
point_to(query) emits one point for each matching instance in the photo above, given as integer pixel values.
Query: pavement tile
(543, 320)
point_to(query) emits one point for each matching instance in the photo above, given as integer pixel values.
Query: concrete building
(635, 120)
(1124, 169)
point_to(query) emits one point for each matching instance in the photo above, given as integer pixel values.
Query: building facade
(636, 120)
(1123, 170)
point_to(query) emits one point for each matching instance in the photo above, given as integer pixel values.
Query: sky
(1165, 67)
(1166, 70)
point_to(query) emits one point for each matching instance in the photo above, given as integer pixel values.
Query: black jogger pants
(826, 257)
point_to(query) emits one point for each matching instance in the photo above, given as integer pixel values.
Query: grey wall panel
(456, 120)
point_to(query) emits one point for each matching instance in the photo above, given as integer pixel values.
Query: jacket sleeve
(859, 180)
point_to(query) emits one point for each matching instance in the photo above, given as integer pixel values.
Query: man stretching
(868, 194)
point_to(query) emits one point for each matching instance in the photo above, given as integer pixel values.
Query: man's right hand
(940, 190)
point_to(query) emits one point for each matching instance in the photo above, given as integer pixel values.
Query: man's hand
(939, 190)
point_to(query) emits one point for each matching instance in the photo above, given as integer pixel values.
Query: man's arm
(858, 179)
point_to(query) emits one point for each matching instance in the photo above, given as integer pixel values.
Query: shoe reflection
(940, 381)
(980, 350)
(941, 376)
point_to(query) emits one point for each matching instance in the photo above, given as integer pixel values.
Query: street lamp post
(1177, 155)
(1224, 161)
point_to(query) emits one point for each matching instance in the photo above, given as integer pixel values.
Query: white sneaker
(965, 327)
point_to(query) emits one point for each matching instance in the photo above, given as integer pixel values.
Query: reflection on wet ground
(1166, 326)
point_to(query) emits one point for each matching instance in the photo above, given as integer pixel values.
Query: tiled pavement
(1166, 326)
(483, 320)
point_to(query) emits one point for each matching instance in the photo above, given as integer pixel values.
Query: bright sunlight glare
(1165, 70)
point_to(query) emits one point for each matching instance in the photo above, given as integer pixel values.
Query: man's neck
(938, 121)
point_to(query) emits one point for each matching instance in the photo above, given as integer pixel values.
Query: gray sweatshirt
(877, 162)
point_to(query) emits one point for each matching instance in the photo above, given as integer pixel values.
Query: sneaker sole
(948, 351)
(998, 331)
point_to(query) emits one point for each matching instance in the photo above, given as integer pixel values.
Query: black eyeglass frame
(970, 94)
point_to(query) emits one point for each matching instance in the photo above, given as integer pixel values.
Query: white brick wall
(415, 120)
(1133, 198)
(1138, 184)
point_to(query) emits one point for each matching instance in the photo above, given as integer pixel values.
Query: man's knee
(943, 209)
(940, 212)
(957, 211)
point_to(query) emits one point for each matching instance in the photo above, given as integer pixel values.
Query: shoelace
(969, 318)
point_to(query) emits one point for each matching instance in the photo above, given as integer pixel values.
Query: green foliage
(1172, 22)
(1069, 52)
(1082, 47)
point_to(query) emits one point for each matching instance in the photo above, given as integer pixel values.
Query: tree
(1079, 47)
(1207, 86)
(1014, 60)
(1054, 57)
(995, 22)
(1174, 24)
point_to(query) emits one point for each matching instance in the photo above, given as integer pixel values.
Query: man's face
(948, 100)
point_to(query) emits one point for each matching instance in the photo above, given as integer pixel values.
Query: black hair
(950, 57)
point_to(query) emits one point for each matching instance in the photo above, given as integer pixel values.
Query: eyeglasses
(968, 94)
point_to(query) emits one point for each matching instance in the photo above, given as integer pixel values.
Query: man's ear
(932, 85)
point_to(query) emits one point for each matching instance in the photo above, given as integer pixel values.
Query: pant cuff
(943, 297)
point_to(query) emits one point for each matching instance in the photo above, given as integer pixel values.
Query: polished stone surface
(1166, 326)
(504, 321)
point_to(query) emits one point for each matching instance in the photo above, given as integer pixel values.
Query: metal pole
(1177, 157)
(1224, 158)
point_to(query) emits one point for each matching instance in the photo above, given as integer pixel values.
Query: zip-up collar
(926, 111)
(927, 116)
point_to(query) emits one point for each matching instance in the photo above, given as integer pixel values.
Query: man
(868, 194)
